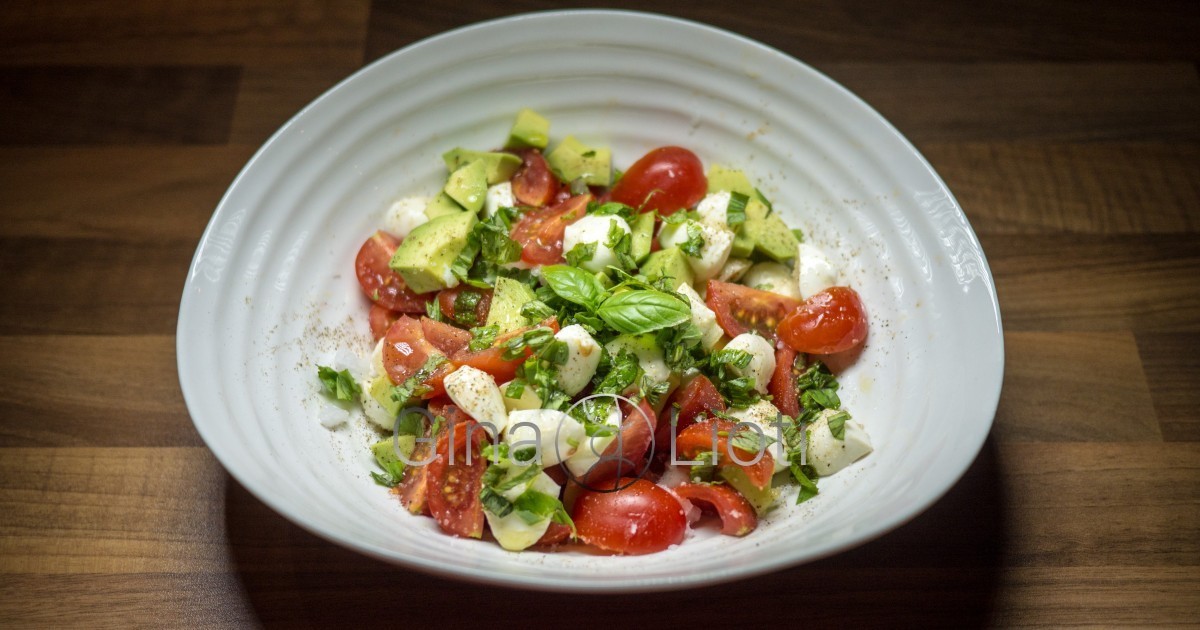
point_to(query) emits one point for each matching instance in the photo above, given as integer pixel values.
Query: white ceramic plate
(271, 291)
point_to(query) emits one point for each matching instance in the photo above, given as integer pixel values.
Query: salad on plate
(569, 354)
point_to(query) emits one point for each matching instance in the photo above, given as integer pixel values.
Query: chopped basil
(574, 285)
(617, 372)
(766, 202)
(620, 242)
(837, 424)
(695, 240)
(806, 476)
(580, 254)
(465, 304)
(752, 441)
(735, 212)
(724, 369)
(612, 208)
(341, 385)
(433, 308)
(642, 311)
(799, 234)
(536, 311)
(483, 337)
(414, 386)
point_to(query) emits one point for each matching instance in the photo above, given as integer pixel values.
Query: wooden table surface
(1070, 132)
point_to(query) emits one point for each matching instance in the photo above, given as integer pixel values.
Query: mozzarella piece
(594, 229)
(582, 360)
(375, 411)
(714, 208)
(813, 272)
(773, 277)
(828, 454)
(510, 530)
(592, 448)
(648, 354)
(405, 215)
(475, 392)
(528, 400)
(766, 416)
(376, 364)
(734, 269)
(762, 359)
(498, 196)
(556, 434)
(718, 241)
(702, 317)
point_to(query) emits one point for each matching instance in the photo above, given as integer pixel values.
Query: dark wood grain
(1171, 362)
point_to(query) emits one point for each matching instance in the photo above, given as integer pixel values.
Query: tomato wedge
(556, 533)
(698, 438)
(740, 309)
(738, 517)
(449, 300)
(381, 319)
(446, 338)
(534, 184)
(783, 381)
(666, 179)
(697, 396)
(637, 427)
(639, 518)
(831, 321)
(491, 360)
(405, 351)
(455, 478)
(384, 286)
(540, 232)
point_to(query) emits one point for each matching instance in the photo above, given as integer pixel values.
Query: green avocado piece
(733, 180)
(669, 262)
(761, 498)
(743, 245)
(507, 300)
(642, 237)
(380, 388)
(425, 257)
(468, 185)
(385, 451)
(529, 131)
(442, 204)
(500, 167)
(572, 160)
(771, 236)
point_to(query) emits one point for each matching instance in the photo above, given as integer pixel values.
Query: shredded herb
(414, 386)
(695, 240)
(735, 212)
(483, 337)
(341, 385)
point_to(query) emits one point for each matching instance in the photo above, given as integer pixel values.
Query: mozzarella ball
(405, 215)
(475, 392)
(773, 277)
(762, 359)
(594, 229)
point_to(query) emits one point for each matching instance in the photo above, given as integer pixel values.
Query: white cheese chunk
(714, 208)
(555, 434)
(475, 392)
(828, 454)
(718, 241)
(528, 400)
(702, 317)
(498, 196)
(813, 272)
(405, 215)
(762, 359)
(592, 448)
(734, 269)
(594, 229)
(766, 416)
(773, 277)
(648, 354)
(511, 530)
(582, 360)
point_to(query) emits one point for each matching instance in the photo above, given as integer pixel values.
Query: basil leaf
(806, 477)
(340, 385)
(735, 212)
(581, 253)
(483, 337)
(637, 312)
(837, 424)
(574, 285)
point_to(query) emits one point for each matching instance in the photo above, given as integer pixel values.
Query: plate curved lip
(993, 367)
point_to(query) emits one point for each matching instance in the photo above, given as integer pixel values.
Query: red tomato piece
(380, 320)
(414, 488)
(455, 478)
(450, 299)
(384, 286)
(639, 518)
(637, 427)
(405, 350)
(831, 321)
(698, 396)
(556, 533)
(540, 232)
(666, 179)
(446, 338)
(491, 360)
(740, 309)
(534, 184)
(737, 515)
(698, 438)
(783, 381)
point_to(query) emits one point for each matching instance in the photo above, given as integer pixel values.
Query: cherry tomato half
(698, 438)
(639, 518)
(783, 381)
(384, 286)
(540, 232)
(533, 184)
(666, 179)
(697, 396)
(405, 350)
(449, 300)
(381, 319)
(455, 478)
(637, 427)
(738, 517)
(740, 309)
(828, 322)
(491, 360)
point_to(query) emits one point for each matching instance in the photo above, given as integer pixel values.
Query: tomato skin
(446, 338)
(637, 427)
(448, 300)
(738, 517)
(405, 350)
(533, 183)
(381, 319)
(556, 533)
(697, 396)
(454, 487)
(491, 360)
(540, 232)
(783, 381)
(666, 179)
(741, 309)
(640, 518)
(829, 322)
(382, 285)
(698, 438)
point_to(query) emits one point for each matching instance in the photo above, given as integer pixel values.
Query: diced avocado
(605, 281)
(771, 236)
(572, 160)
(442, 204)
(468, 185)
(385, 451)
(743, 245)
(528, 400)
(668, 262)
(507, 300)
(642, 227)
(499, 166)
(380, 389)
(761, 498)
(529, 131)
(733, 180)
(425, 257)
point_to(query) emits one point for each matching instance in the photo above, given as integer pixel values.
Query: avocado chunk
(507, 300)
(572, 160)
(529, 131)
(670, 262)
(642, 227)
(761, 498)
(771, 236)
(380, 388)
(385, 451)
(499, 167)
(743, 245)
(440, 205)
(425, 257)
(468, 185)
(733, 180)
